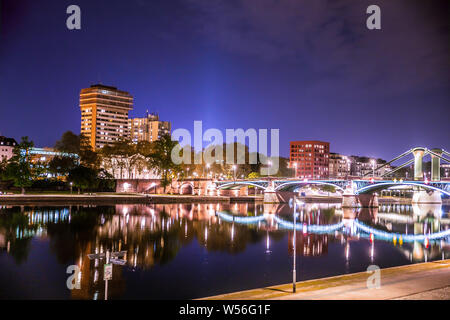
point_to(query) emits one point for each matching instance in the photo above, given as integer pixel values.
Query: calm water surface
(185, 251)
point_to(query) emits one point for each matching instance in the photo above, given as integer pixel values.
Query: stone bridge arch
(187, 188)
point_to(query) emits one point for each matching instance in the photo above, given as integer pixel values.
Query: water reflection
(152, 236)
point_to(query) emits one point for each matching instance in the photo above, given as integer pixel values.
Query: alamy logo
(73, 281)
(74, 20)
(374, 20)
(374, 280)
(214, 153)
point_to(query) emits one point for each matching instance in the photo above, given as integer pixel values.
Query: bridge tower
(436, 165)
(418, 162)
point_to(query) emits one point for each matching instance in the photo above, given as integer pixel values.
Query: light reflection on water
(195, 250)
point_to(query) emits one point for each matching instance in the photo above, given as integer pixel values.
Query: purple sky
(310, 68)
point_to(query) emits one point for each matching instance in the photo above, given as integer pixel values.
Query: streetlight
(71, 183)
(373, 168)
(234, 172)
(294, 269)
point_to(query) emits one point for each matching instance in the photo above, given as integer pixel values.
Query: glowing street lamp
(234, 172)
(294, 269)
(373, 168)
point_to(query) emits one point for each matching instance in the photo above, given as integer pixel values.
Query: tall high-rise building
(311, 158)
(149, 128)
(104, 114)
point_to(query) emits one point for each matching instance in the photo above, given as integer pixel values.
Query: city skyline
(224, 150)
(171, 64)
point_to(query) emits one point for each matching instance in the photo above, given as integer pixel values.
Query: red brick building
(311, 158)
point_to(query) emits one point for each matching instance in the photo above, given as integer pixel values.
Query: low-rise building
(309, 158)
(339, 166)
(7, 146)
(361, 166)
(342, 166)
(149, 128)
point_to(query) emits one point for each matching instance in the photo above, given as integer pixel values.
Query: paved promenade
(419, 281)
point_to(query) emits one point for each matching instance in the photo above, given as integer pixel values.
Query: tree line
(81, 167)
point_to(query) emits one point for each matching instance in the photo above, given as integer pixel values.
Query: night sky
(308, 67)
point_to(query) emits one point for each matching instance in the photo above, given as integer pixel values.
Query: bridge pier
(349, 199)
(361, 200)
(368, 200)
(418, 161)
(436, 165)
(279, 196)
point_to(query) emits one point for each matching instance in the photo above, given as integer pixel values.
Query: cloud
(330, 38)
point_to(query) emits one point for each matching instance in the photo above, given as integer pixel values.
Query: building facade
(149, 128)
(339, 166)
(7, 146)
(364, 166)
(310, 158)
(104, 114)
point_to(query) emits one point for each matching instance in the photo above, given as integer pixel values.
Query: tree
(161, 160)
(84, 178)
(328, 188)
(61, 165)
(78, 144)
(254, 175)
(19, 168)
(3, 165)
(70, 143)
(89, 157)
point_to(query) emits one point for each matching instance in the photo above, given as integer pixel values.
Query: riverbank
(136, 198)
(107, 199)
(417, 281)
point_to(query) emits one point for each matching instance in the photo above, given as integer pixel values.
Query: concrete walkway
(419, 281)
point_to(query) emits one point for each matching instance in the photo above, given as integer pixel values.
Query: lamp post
(71, 184)
(373, 168)
(234, 172)
(294, 269)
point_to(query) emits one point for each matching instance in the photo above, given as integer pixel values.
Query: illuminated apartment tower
(104, 114)
(311, 158)
(148, 128)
